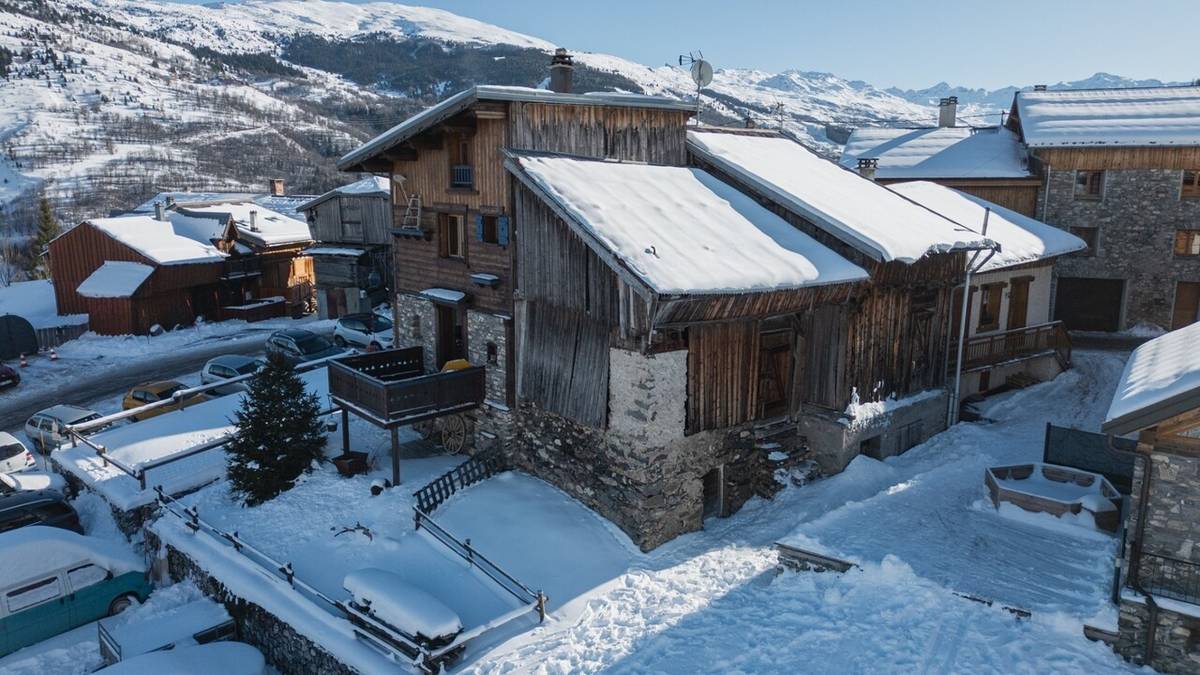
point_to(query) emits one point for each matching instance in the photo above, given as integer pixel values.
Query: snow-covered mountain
(106, 102)
(991, 100)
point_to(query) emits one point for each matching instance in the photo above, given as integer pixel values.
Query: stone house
(1158, 401)
(1120, 168)
(352, 258)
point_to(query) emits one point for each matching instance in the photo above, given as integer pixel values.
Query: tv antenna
(779, 112)
(702, 73)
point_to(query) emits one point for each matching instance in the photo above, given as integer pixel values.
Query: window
(492, 353)
(11, 451)
(352, 219)
(1089, 184)
(34, 594)
(461, 175)
(85, 575)
(450, 235)
(989, 307)
(1191, 185)
(414, 326)
(488, 230)
(1187, 243)
(1090, 236)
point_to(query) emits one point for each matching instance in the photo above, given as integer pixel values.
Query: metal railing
(436, 492)
(1167, 577)
(1019, 343)
(462, 176)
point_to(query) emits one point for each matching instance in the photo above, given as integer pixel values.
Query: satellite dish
(702, 73)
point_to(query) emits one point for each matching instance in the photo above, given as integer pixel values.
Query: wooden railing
(1015, 345)
(389, 387)
(478, 468)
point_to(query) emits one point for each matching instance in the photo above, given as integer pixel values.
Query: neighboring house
(988, 162)
(274, 199)
(132, 273)
(1010, 335)
(352, 258)
(1158, 400)
(1120, 168)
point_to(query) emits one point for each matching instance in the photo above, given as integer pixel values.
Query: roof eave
(1154, 414)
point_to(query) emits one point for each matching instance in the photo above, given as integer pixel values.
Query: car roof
(66, 413)
(294, 333)
(231, 360)
(8, 439)
(15, 499)
(159, 385)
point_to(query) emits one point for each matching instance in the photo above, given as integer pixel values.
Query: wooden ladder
(412, 213)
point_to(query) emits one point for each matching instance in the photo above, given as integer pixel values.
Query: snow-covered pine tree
(279, 434)
(47, 230)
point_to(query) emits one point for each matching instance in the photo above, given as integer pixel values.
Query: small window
(450, 235)
(1187, 243)
(414, 327)
(489, 233)
(989, 307)
(1089, 184)
(86, 575)
(492, 353)
(1191, 185)
(34, 594)
(1090, 236)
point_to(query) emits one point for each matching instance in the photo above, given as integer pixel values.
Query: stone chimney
(276, 187)
(1039, 87)
(947, 111)
(562, 66)
(867, 166)
(159, 213)
(254, 221)
(170, 201)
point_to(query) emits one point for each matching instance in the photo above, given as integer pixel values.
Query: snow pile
(115, 279)
(859, 415)
(1108, 117)
(406, 607)
(225, 658)
(682, 231)
(29, 551)
(1161, 372)
(1022, 239)
(34, 301)
(938, 152)
(173, 626)
(864, 214)
(157, 240)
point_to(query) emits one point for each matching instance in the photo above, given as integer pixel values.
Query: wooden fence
(478, 468)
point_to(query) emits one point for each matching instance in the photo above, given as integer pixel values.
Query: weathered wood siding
(1095, 159)
(723, 372)
(374, 213)
(643, 135)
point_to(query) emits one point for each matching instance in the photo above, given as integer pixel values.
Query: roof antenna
(780, 113)
(702, 74)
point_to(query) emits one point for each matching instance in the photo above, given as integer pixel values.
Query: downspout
(1135, 554)
(952, 413)
(1046, 195)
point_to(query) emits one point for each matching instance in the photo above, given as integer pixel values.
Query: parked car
(227, 367)
(14, 456)
(195, 623)
(29, 481)
(47, 429)
(37, 507)
(52, 581)
(153, 392)
(301, 346)
(365, 331)
(9, 377)
(418, 616)
(226, 658)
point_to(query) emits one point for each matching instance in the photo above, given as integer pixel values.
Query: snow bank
(938, 152)
(1022, 239)
(1108, 117)
(860, 414)
(404, 606)
(860, 212)
(115, 279)
(1162, 371)
(683, 231)
(29, 551)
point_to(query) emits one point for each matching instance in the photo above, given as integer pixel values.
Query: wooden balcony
(391, 389)
(462, 176)
(1019, 344)
(240, 267)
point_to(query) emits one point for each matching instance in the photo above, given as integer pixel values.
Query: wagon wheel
(454, 434)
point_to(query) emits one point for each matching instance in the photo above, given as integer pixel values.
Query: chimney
(1039, 87)
(170, 201)
(159, 214)
(254, 221)
(867, 166)
(276, 187)
(561, 68)
(947, 111)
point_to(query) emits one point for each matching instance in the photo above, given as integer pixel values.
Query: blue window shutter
(479, 226)
(502, 230)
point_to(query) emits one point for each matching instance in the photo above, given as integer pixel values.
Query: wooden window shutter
(1181, 242)
(443, 235)
(479, 226)
(502, 230)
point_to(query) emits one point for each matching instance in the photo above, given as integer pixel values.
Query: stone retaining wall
(1175, 638)
(834, 439)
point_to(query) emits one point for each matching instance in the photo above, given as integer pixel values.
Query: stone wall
(834, 439)
(647, 396)
(415, 327)
(1137, 216)
(484, 329)
(1176, 635)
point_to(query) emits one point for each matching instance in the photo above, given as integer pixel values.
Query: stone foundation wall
(1176, 638)
(414, 326)
(1042, 368)
(834, 439)
(487, 345)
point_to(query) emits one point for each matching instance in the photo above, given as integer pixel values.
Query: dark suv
(301, 346)
(8, 377)
(37, 507)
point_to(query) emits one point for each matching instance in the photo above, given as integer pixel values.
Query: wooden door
(451, 335)
(1018, 303)
(1187, 300)
(774, 372)
(1089, 304)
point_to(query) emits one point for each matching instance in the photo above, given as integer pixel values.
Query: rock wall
(414, 326)
(487, 345)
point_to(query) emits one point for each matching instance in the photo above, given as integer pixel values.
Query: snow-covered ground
(34, 301)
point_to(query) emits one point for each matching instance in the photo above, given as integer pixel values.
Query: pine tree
(46, 231)
(279, 434)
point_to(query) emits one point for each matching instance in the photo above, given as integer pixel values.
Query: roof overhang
(1152, 415)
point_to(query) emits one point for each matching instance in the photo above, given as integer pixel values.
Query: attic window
(989, 307)
(1089, 184)
(1191, 185)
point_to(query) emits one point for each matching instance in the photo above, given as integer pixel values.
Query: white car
(227, 367)
(31, 481)
(47, 429)
(14, 456)
(364, 331)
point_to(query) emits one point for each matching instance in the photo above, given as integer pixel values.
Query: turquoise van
(53, 580)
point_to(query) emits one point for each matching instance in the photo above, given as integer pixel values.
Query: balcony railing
(462, 176)
(390, 388)
(240, 267)
(1016, 345)
(1166, 577)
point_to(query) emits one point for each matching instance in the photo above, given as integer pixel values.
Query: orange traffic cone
(24, 363)
(53, 354)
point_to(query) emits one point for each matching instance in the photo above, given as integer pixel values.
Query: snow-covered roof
(270, 228)
(938, 152)
(157, 240)
(1022, 239)
(680, 230)
(1161, 380)
(288, 205)
(1108, 117)
(335, 250)
(402, 605)
(33, 550)
(880, 223)
(115, 279)
(367, 187)
(466, 98)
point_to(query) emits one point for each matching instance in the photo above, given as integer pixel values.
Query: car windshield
(11, 450)
(169, 391)
(86, 418)
(312, 344)
(247, 368)
(381, 325)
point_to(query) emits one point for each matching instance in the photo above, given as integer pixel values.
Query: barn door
(774, 372)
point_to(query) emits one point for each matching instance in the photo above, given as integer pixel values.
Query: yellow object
(456, 364)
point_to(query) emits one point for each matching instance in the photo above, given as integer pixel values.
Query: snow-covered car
(227, 367)
(196, 623)
(14, 456)
(365, 331)
(226, 658)
(47, 429)
(29, 481)
(9, 377)
(414, 614)
(297, 346)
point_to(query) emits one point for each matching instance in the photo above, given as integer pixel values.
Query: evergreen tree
(46, 231)
(279, 434)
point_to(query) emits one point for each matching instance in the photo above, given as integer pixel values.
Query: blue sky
(906, 43)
